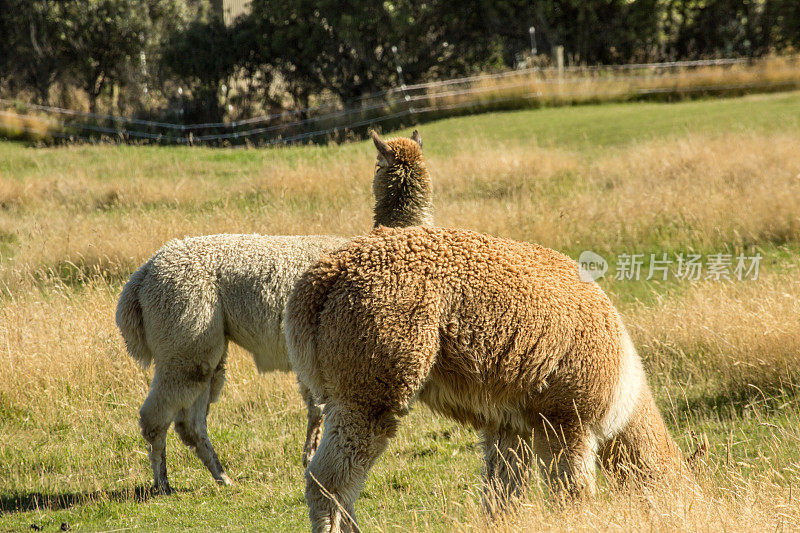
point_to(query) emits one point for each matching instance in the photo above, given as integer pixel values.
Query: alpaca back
(198, 291)
(488, 325)
(254, 284)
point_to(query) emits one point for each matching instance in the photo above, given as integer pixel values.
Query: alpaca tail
(129, 318)
(639, 444)
(301, 318)
(644, 449)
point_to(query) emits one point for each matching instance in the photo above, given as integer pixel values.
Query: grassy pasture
(709, 176)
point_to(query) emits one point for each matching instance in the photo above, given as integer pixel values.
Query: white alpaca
(180, 309)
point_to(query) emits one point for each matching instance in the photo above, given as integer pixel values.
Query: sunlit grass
(722, 356)
(549, 87)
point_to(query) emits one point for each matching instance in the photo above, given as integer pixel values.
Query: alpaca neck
(401, 202)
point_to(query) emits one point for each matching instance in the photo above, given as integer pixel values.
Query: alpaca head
(402, 187)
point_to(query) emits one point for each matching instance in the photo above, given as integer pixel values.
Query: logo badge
(591, 266)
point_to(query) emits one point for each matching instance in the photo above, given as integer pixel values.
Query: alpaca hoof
(224, 480)
(164, 489)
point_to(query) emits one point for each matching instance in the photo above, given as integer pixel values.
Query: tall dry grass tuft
(28, 127)
(731, 339)
(756, 505)
(738, 189)
(50, 343)
(549, 88)
(62, 375)
(697, 191)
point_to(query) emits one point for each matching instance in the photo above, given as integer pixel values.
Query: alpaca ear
(417, 138)
(383, 148)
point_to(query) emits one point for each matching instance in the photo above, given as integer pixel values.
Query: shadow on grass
(30, 501)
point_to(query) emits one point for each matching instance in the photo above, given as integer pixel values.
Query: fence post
(559, 59)
(409, 105)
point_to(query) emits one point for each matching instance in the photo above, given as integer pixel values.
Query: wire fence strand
(524, 86)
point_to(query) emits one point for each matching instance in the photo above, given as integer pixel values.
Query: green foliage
(594, 31)
(135, 54)
(347, 48)
(203, 55)
(36, 43)
(703, 28)
(103, 37)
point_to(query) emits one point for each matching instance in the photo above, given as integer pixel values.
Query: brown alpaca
(182, 307)
(497, 334)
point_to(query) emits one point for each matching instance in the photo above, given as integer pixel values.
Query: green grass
(596, 127)
(430, 471)
(70, 450)
(585, 127)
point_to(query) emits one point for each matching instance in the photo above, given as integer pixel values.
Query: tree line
(179, 60)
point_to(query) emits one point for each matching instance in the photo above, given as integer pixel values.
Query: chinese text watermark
(687, 267)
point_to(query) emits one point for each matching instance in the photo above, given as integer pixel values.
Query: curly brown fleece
(497, 334)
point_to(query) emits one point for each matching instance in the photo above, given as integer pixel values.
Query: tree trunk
(93, 87)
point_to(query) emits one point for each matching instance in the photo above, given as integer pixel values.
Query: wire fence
(407, 104)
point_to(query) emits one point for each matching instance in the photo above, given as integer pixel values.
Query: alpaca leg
(351, 444)
(507, 457)
(162, 472)
(217, 381)
(314, 429)
(191, 425)
(566, 455)
(155, 417)
(218, 377)
(158, 459)
(170, 392)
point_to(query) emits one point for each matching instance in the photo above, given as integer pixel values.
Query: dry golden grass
(698, 191)
(747, 332)
(29, 127)
(105, 220)
(723, 357)
(755, 505)
(599, 85)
